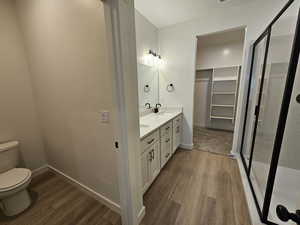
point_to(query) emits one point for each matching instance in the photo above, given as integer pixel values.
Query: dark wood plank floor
(61, 203)
(197, 188)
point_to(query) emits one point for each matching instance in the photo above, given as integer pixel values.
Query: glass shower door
(286, 191)
(272, 162)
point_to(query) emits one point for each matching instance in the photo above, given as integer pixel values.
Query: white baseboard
(105, 201)
(39, 170)
(250, 200)
(141, 214)
(187, 146)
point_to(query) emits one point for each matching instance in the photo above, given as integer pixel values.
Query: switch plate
(104, 116)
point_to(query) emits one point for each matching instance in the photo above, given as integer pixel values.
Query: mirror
(148, 86)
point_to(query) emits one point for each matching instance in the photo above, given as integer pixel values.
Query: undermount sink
(164, 114)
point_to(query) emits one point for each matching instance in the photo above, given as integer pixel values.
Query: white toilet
(14, 197)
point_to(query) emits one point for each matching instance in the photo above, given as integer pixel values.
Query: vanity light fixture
(154, 59)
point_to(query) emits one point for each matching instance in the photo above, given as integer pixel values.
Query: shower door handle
(284, 215)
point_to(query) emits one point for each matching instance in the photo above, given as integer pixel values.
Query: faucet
(149, 106)
(156, 107)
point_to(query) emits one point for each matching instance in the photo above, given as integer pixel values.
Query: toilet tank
(9, 155)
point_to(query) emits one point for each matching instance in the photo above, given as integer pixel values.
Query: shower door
(270, 151)
(285, 200)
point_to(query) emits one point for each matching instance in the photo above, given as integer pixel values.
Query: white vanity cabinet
(177, 132)
(165, 143)
(157, 148)
(150, 159)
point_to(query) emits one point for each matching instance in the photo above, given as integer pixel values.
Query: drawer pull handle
(149, 142)
(150, 156)
(167, 155)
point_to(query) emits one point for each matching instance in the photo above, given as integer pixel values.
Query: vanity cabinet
(166, 143)
(177, 132)
(157, 148)
(150, 164)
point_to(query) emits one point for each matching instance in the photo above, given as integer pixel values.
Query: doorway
(217, 79)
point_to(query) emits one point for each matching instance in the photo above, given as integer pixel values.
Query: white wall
(18, 117)
(201, 103)
(146, 36)
(220, 55)
(146, 39)
(67, 50)
(178, 47)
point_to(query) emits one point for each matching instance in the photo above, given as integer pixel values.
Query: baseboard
(187, 146)
(105, 201)
(141, 214)
(40, 170)
(249, 198)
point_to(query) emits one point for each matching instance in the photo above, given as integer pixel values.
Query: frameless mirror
(148, 85)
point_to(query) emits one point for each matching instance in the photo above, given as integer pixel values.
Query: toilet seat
(14, 178)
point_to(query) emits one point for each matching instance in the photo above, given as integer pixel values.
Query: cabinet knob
(149, 142)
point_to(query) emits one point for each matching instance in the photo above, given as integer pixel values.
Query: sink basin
(144, 125)
(164, 114)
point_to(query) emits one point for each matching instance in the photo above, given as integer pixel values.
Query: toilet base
(16, 203)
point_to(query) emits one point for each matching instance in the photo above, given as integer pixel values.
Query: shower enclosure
(270, 148)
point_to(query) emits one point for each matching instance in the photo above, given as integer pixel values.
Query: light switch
(104, 117)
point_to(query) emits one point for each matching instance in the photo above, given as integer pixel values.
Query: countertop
(153, 121)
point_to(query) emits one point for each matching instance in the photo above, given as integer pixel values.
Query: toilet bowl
(14, 197)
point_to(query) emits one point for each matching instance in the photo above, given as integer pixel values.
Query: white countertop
(153, 121)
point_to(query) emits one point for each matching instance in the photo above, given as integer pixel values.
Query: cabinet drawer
(166, 130)
(149, 140)
(177, 121)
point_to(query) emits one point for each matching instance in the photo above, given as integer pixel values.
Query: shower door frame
(292, 68)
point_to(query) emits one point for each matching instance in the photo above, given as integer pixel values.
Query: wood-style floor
(60, 203)
(211, 140)
(194, 188)
(197, 188)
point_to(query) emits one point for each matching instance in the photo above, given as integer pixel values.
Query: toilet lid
(14, 178)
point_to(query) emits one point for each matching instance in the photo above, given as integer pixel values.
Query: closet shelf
(223, 93)
(229, 106)
(225, 79)
(221, 118)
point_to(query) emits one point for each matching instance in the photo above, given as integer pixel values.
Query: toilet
(14, 197)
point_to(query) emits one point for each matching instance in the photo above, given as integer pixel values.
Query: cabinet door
(166, 150)
(145, 158)
(177, 127)
(154, 167)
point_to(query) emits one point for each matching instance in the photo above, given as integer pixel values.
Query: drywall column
(121, 33)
